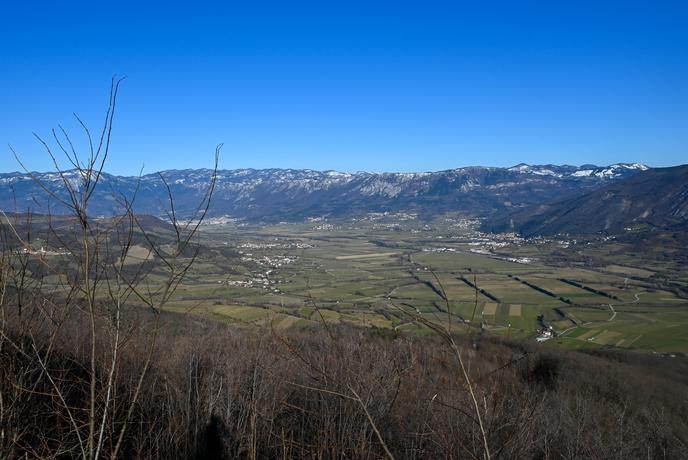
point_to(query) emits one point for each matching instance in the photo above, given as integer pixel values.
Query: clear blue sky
(352, 85)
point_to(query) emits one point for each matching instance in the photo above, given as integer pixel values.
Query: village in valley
(366, 270)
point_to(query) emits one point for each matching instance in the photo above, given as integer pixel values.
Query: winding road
(611, 307)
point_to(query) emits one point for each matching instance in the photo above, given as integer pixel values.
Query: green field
(364, 273)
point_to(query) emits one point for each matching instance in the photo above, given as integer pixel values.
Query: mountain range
(293, 194)
(654, 199)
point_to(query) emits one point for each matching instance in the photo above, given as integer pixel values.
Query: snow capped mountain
(656, 199)
(612, 171)
(540, 170)
(284, 194)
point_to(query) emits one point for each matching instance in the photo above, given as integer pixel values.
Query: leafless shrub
(90, 366)
(91, 285)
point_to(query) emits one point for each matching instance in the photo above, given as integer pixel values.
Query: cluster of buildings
(259, 280)
(269, 261)
(43, 252)
(291, 245)
(325, 226)
(545, 334)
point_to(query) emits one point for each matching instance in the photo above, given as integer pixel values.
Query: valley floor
(381, 270)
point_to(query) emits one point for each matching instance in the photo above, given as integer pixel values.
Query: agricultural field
(383, 271)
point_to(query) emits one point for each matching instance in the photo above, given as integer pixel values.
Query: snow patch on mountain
(611, 171)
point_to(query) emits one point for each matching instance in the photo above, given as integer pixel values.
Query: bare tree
(94, 281)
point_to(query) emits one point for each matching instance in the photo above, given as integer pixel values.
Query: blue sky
(395, 86)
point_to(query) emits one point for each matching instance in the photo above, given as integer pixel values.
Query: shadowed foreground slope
(217, 392)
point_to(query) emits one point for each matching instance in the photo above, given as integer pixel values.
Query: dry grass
(218, 392)
(490, 308)
(367, 256)
(138, 254)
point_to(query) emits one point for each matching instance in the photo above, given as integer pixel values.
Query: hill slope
(656, 198)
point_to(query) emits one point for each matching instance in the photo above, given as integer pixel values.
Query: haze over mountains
(537, 199)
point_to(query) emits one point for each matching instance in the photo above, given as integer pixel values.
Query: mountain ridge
(657, 198)
(291, 194)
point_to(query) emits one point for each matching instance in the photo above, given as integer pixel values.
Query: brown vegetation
(92, 366)
(217, 392)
